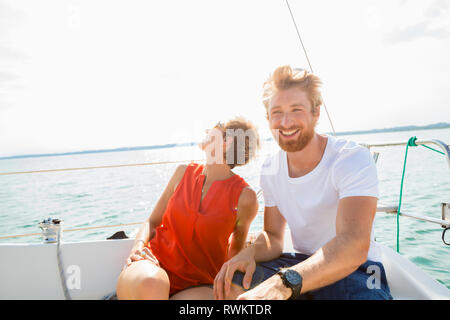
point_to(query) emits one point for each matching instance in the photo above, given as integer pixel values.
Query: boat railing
(444, 222)
(391, 209)
(442, 145)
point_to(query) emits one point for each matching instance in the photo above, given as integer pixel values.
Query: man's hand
(271, 289)
(244, 261)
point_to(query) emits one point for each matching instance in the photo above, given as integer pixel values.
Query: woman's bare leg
(195, 293)
(206, 293)
(235, 291)
(143, 280)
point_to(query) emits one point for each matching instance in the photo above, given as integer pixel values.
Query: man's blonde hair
(286, 77)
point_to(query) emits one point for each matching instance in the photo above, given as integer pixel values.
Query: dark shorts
(368, 282)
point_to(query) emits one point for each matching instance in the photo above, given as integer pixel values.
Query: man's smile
(289, 133)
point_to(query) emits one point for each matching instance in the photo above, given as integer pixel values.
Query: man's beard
(300, 143)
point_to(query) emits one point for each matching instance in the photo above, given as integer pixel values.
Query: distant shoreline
(441, 125)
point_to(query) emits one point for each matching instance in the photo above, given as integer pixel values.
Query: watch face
(293, 277)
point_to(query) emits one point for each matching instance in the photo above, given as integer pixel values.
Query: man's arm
(270, 242)
(335, 260)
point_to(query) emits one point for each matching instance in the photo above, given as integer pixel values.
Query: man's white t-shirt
(309, 203)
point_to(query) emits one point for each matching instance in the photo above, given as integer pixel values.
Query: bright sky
(91, 74)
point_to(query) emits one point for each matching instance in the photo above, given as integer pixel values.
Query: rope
(425, 146)
(258, 195)
(87, 228)
(443, 236)
(21, 235)
(98, 167)
(309, 63)
(76, 229)
(97, 227)
(61, 268)
(299, 36)
(412, 143)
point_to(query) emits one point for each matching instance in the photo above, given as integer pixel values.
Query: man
(326, 189)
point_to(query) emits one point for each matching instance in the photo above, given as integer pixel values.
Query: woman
(200, 221)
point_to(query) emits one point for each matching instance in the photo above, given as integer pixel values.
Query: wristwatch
(291, 279)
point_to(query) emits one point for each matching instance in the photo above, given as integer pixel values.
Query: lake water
(123, 195)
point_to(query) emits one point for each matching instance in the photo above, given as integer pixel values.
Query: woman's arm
(246, 211)
(147, 229)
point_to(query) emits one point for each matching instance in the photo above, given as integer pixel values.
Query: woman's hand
(141, 253)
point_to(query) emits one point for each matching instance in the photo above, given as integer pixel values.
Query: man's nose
(286, 120)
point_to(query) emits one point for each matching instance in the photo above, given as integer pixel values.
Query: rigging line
(309, 62)
(75, 229)
(299, 36)
(258, 195)
(98, 167)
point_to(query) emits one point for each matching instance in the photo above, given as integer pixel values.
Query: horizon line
(439, 125)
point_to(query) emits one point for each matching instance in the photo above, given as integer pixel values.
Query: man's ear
(317, 112)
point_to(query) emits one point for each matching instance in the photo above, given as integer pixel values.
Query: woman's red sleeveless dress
(191, 244)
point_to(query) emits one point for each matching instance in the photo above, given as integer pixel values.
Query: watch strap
(295, 288)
